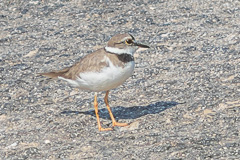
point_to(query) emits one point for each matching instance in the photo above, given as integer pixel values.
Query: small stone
(13, 145)
(47, 141)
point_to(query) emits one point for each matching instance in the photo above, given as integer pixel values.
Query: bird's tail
(55, 74)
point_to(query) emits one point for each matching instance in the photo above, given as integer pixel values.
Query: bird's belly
(108, 78)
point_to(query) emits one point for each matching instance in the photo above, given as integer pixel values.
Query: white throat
(129, 50)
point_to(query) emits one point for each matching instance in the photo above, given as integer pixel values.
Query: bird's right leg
(97, 115)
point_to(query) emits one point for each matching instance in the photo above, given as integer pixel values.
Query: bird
(103, 70)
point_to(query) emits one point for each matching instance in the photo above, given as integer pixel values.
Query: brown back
(94, 62)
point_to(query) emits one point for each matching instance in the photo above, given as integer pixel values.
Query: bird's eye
(129, 41)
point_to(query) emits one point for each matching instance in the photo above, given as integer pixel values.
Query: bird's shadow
(128, 113)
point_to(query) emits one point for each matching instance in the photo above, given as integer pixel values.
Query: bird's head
(123, 44)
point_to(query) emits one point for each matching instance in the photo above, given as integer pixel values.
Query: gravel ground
(182, 101)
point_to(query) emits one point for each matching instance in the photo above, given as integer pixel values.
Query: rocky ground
(182, 101)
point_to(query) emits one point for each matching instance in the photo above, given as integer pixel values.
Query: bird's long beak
(141, 45)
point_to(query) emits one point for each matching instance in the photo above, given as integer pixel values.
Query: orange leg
(98, 120)
(110, 113)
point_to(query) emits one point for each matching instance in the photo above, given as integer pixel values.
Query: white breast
(108, 78)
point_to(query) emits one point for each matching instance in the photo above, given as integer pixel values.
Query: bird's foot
(105, 129)
(119, 124)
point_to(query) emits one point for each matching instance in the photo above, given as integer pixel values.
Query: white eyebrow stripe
(126, 38)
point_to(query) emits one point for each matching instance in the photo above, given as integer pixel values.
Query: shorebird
(103, 70)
